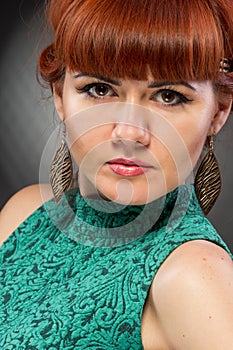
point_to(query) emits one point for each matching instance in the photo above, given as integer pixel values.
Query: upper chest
(87, 295)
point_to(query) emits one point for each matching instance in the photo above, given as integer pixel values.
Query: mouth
(128, 167)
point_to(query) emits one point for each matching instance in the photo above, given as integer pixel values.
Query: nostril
(135, 133)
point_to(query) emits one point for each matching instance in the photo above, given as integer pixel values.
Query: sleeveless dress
(75, 275)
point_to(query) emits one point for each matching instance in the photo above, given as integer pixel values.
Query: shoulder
(197, 256)
(193, 294)
(20, 206)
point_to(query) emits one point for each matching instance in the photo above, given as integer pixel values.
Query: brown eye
(168, 96)
(101, 90)
(97, 90)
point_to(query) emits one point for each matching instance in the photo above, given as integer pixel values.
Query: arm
(193, 297)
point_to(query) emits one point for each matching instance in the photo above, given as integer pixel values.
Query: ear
(223, 111)
(58, 102)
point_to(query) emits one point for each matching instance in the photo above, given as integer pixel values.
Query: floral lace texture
(64, 288)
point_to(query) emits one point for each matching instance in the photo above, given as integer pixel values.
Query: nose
(123, 131)
(131, 126)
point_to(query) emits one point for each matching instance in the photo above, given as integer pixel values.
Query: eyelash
(86, 90)
(182, 99)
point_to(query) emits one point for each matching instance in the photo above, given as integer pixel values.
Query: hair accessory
(208, 179)
(226, 65)
(61, 170)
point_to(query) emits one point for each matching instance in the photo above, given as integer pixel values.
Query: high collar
(101, 223)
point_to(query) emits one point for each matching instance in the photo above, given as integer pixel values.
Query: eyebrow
(154, 84)
(99, 77)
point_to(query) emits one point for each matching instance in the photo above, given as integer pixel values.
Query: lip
(128, 167)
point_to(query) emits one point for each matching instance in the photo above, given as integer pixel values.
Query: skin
(171, 138)
(190, 303)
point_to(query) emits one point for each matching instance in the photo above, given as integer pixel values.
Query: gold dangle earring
(208, 179)
(61, 170)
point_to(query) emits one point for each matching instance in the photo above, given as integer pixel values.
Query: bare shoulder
(20, 206)
(196, 261)
(195, 255)
(193, 296)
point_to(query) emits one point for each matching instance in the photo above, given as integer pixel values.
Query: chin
(127, 193)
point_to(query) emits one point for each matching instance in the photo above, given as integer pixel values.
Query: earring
(61, 170)
(208, 179)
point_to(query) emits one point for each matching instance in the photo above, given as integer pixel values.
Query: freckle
(222, 258)
(204, 259)
(210, 317)
(183, 335)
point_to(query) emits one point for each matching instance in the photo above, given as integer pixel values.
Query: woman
(126, 258)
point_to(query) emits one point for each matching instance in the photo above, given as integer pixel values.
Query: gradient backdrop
(27, 115)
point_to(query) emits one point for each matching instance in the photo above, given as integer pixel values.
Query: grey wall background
(27, 115)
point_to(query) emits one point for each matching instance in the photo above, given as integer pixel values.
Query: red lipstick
(128, 167)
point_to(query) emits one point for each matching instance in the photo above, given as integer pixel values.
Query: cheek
(195, 146)
(166, 156)
(194, 130)
(194, 139)
(177, 148)
(78, 150)
(89, 147)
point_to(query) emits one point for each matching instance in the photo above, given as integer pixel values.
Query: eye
(170, 98)
(97, 90)
(100, 90)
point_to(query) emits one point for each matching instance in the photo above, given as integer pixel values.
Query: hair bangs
(173, 40)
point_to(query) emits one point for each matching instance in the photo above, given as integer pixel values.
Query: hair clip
(226, 65)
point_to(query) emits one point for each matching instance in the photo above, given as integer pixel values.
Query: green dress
(76, 275)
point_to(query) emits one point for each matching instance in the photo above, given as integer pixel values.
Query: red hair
(178, 40)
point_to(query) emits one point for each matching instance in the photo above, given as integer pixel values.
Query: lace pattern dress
(76, 275)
